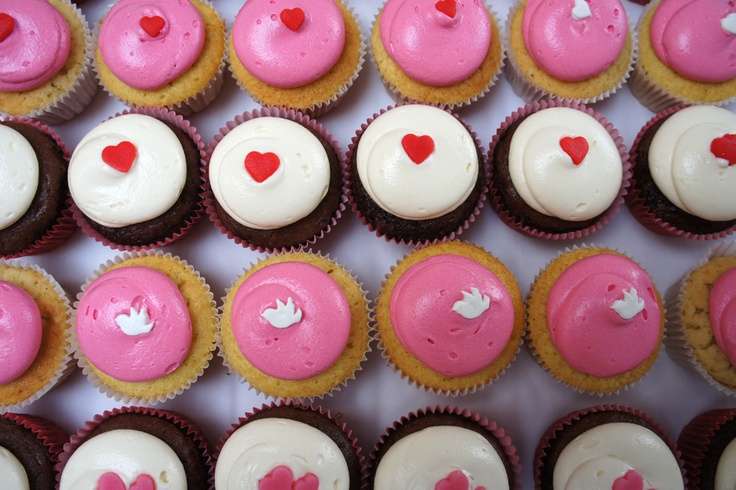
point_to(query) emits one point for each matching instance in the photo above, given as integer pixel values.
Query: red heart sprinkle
(293, 18)
(152, 25)
(7, 25)
(725, 147)
(419, 148)
(576, 147)
(143, 482)
(261, 166)
(111, 481)
(282, 478)
(632, 480)
(447, 7)
(454, 481)
(121, 156)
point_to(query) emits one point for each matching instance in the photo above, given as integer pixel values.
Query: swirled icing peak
(723, 313)
(21, 332)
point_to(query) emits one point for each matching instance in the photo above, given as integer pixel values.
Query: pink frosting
(21, 331)
(687, 36)
(723, 313)
(307, 347)
(282, 57)
(145, 62)
(424, 320)
(432, 47)
(573, 50)
(134, 358)
(589, 334)
(36, 49)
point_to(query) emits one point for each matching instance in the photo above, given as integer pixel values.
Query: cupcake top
(35, 42)
(436, 43)
(617, 455)
(12, 473)
(269, 172)
(289, 43)
(696, 38)
(442, 458)
(722, 313)
(564, 164)
(128, 170)
(417, 162)
(19, 175)
(725, 478)
(692, 159)
(21, 331)
(277, 453)
(574, 40)
(150, 43)
(133, 324)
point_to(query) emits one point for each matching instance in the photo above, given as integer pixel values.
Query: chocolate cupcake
(708, 445)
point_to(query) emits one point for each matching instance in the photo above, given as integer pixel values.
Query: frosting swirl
(18, 176)
(722, 312)
(12, 473)
(21, 332)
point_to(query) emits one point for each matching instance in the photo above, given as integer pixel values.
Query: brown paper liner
(695, 440)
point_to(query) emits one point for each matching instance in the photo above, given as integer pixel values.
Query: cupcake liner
(292, 115)
(328, 414)
(86, 366)
(64, 226)
(695, 440)
(340, 386)
(484, 172)
(499, 433)
(515, 223)
(47, 433)
(178, 121)
(571, 419)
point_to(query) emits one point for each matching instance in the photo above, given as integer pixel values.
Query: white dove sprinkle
(135, 323)
(629, 306)
(581, 10)
(472, 305)
(284, 315)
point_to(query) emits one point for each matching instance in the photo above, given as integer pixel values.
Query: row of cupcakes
(306, 54)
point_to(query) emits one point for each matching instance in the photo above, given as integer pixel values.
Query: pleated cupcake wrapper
(500, 434)
(484, 172)
(66, 366)
(178, 121)
(569, 421)
(327, 414)
(401, 98)
(210, 202)
(515, 222)
(46, 432)
(64, 226)
(193, 432)
(695, 440)
(530, 345)
(530, 92)
(86, 365)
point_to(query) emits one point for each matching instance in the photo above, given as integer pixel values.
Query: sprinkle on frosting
(136, 322)
(282, 478)
(629, 306)
(7, 25)
(473, 304)
(284, 315)
(581, 10)
(121, 156)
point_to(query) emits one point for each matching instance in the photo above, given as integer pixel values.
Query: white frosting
(414, 191)
(599, 456)
(581, 10)
(149, 189)
(136, 322)
(422, 459)
(726, 469)
(546, 177)
(12, 474)
(728, 23)
(284, 315)
(18, 176)
(472, 305)
(127, 453)
(685, 170)
(629, 306)
(258, 447)
(290, 194)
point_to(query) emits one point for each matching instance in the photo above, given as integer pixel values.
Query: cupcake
(145, 327)
(685, 172)
(275, 180)
(708, 445)
(136, 179)
(569, 49)
(136, 448)
(289, 447)
(686, 48)
(450, 317)
(159, 53)
(416, 174)
(559, 171)
(446, 53)
(34, 334)
(34, 196)
(606, 447)
(29, 448)
(596, 320)
(300, 54)
(445, 449)
(45, 60)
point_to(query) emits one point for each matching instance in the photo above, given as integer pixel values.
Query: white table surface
(525, 400)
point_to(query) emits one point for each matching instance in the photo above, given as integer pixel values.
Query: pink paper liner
(46, 432)
(696, 438)
(484, 173)
(64, 226)
(499, 433)
(329, 415)
(175, 119)
(292, 115)
(572, 418)
(181, 422)
(637, 204)
(513, 222)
